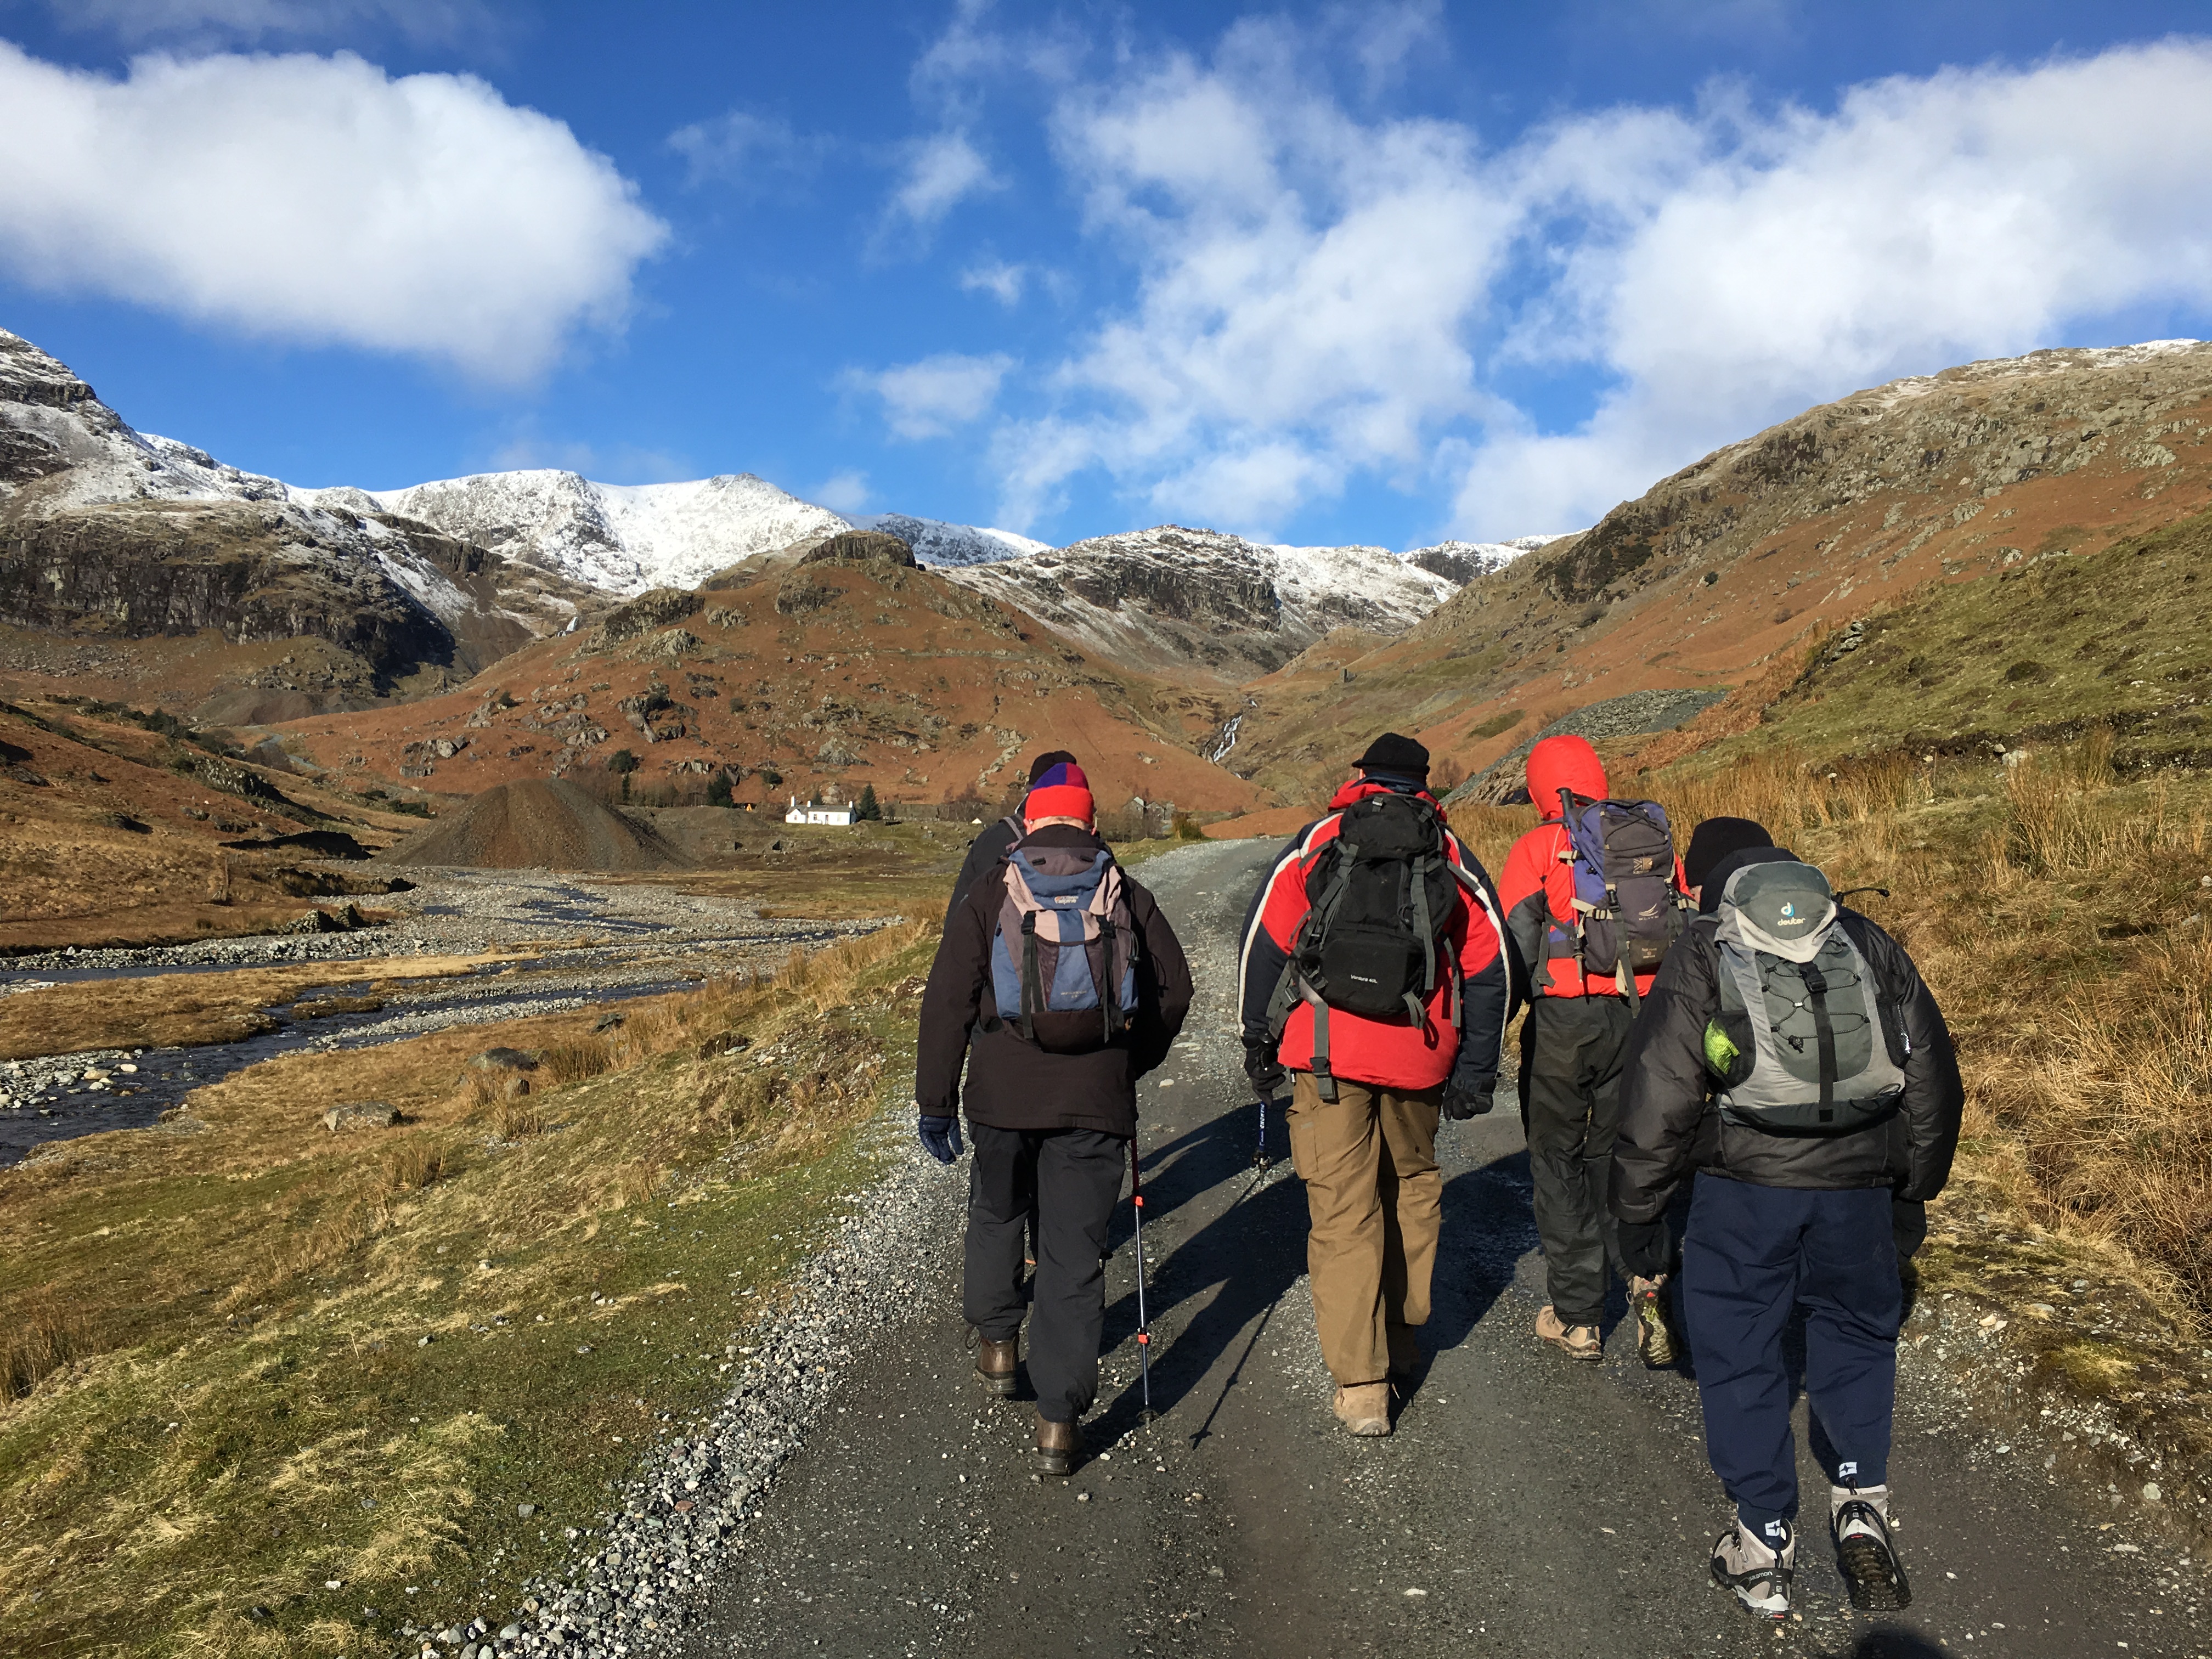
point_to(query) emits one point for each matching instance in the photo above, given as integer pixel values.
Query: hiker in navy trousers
(1790, 1053)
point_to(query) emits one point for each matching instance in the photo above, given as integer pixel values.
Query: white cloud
(318, 199)
(1321, 296)
(746, 150)
(252, 22)
(941, 172)
(842, 492)
(928, 398)
(1002, 282)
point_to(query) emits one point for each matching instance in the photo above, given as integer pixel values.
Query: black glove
(1469, 1097)
(940, 1137)
(1645, 1248)
(1265, 1071)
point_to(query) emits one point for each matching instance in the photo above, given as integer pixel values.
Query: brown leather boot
(1365, 1407)
(1576, 1342)
(996, 1363)
(1058, 1446)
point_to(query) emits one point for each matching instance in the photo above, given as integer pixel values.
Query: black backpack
(1381, 894)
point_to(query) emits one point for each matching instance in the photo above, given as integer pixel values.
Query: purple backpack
(1627, 909)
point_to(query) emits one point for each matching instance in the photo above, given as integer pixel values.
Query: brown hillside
(113, 834)
(1722, 574)
(799, 679)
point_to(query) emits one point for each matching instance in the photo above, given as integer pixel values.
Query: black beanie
(1044, 762)
(1714, 840)
(1400, 757)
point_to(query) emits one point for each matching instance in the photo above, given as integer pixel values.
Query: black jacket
(984, 854)
(1670, 1124)
(1015, 1084)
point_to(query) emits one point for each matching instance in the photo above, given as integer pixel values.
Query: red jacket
(1537, 886)
(1384, 1054)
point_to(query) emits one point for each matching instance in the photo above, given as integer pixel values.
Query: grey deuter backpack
(1801, 1041)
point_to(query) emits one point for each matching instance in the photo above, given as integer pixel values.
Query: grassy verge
(270, 1390)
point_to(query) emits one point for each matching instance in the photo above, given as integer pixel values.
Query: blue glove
(940, 1137)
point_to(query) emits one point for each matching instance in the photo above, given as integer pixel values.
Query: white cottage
(813, 811)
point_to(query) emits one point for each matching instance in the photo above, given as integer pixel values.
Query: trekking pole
(1144, 1324)
(1259, 1154)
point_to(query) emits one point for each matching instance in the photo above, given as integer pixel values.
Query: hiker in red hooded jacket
(1368, 1090)
(1572, 1046)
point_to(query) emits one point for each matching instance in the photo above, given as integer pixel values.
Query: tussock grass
(2056, 912)
(215, 1329)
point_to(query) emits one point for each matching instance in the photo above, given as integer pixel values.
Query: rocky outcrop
(863, 547)
(1951, 440)
(111, 534)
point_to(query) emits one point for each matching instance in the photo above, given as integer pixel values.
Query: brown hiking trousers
(1376, 1200)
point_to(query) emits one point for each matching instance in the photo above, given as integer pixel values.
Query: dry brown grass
(2055, 912)
(43, 1335)
(413, 1164)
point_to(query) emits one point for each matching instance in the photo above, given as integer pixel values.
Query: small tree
(866, 809)
(718, 790)
(621, 760)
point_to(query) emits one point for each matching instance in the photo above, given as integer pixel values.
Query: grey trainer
(1759, 1570)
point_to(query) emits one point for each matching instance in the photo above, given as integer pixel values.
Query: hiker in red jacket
(1572, 1046)
(1373, 968)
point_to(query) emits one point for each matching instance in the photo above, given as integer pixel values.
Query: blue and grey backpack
(1064, 955)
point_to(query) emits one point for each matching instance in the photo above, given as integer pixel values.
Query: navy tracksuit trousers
(1750, 1254)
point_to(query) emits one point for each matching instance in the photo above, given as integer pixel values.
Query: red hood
(1563, 763)
(1361, 788)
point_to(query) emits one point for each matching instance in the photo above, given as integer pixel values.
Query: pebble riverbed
(592, 942)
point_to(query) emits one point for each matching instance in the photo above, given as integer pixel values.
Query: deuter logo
(1365, 979)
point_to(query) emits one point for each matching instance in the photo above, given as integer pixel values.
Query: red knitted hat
(1060, 791)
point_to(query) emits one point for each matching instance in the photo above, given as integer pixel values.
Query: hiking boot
(1866, 1555)
(1576, 1342)
(996, 1363)
(1758, 1572)
(1058, 1446)
(1364, 1409)
(1654, 1335)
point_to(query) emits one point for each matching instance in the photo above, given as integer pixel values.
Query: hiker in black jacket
(1805, 1105)
(988, 850)
(1053, 1110)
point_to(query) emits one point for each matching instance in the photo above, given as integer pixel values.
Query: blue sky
(1321, 273)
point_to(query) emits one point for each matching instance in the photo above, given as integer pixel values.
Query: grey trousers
(1570, 1053)
(1072, 1177)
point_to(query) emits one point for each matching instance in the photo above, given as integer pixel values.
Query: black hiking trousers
(1571, 1055)
(1072, 1178)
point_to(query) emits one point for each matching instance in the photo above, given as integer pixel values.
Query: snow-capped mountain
(936, 543)
(105, 521)
(626, 538)
(1169, 599)
(1461, 562)
(623, 538)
